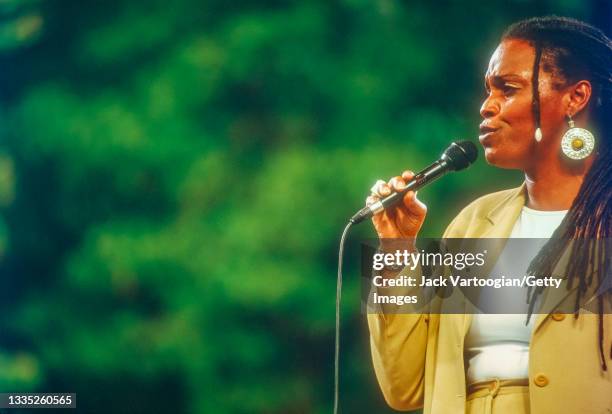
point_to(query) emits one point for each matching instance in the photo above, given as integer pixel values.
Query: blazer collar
(504, 214)
(513, 203)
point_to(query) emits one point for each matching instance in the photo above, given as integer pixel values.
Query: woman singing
(547, 112)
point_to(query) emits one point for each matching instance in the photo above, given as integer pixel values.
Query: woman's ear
(579, 95)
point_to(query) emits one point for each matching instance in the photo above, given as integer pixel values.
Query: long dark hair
(572, 51)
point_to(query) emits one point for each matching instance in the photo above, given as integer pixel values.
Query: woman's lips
(485, 133)
(483, 138)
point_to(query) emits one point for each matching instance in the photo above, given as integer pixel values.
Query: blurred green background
(174, 177)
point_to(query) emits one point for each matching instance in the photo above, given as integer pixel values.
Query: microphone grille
(460, 154)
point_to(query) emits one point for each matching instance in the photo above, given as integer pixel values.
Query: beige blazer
(419, 360)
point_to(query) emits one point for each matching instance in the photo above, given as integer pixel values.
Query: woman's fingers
(402, 220)
(397, 183)
(407, 175)
(382, 188)
(421, 205)
(413, 205)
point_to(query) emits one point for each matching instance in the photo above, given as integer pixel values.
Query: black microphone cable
(338, 297)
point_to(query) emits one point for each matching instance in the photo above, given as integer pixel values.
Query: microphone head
(460, 155)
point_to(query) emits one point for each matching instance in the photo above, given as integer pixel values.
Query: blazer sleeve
(399, 348)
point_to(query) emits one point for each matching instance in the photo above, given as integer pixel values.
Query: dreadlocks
(572, 50)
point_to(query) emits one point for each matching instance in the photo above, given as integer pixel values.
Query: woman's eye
(509, 90)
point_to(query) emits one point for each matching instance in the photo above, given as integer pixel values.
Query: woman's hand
(403, 220)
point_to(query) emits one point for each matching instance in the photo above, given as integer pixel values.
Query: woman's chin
(491, 156)
(496, 159)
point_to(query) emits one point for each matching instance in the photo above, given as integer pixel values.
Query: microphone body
(456, 157)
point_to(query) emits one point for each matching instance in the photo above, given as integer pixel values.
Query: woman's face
(507, 131)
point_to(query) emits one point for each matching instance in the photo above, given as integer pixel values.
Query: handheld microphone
(458, 156)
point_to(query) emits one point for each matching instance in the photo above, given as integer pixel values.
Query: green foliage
(21, 23)
(174, 178)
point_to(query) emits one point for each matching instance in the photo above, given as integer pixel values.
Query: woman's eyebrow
(508, 77)
(499, 80)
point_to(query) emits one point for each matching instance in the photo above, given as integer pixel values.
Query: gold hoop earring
(577, 143)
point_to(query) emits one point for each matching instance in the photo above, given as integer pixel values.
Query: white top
(497, 345)
(537, 224)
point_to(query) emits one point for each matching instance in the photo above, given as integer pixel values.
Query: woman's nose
(490, 107)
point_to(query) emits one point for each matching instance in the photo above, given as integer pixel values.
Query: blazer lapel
(503, 216)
